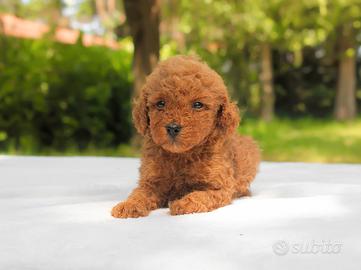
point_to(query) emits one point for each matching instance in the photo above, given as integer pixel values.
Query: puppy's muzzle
(173, 129)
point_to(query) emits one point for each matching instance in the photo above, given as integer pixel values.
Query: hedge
(56, 96)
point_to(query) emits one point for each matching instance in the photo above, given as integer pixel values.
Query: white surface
(54, 214)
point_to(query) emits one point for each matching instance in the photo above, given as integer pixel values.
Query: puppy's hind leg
(242, 190)
(246, 161)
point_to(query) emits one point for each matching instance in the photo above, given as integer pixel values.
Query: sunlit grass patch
(122, 150)
(307, 140)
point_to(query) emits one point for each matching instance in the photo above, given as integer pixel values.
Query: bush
(56, 96)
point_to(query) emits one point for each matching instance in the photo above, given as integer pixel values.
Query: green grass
(123, 150)
(307, 140)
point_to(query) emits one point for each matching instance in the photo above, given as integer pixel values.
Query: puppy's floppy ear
(228, 117)
(140, 113)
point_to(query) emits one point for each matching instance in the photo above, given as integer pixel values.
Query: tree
(142, 20)
(143, 17)
(345, 103)
(282, 25)
(345, 16)
(268, 95)
(244, 35)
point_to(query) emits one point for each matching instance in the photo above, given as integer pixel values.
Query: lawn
(307, 140)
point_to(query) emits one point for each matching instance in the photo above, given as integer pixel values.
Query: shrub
(62, 96)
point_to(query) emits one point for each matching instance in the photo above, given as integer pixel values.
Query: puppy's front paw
(129, 210)
(186, 205)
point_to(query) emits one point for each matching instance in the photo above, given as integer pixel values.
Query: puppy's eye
(160, 104)
(197, 105)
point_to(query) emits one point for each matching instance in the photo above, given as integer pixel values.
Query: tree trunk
(143, 17)
(268, 98)
(345, 103)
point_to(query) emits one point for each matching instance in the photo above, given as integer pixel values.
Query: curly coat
(207, 164)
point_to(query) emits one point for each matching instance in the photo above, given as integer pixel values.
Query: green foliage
(229, 34)
(59, 96)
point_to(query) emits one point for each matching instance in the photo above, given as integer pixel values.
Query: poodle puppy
(193, 159)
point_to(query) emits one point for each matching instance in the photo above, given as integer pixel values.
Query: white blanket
(55, 214)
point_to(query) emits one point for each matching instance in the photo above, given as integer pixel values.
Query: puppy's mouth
(174, 145)
(178, 143)
(171, 142)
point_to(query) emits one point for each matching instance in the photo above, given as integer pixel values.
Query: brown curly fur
(208, 164)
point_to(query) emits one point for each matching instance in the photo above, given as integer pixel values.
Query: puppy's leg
(139, 203)
(246, 162)
(200, 201)
(242, 189)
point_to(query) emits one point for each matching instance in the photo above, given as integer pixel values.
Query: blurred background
(70, 68)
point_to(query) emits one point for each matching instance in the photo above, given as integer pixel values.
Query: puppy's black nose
(173, 129)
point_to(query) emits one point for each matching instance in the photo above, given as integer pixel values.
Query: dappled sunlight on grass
(307, 140)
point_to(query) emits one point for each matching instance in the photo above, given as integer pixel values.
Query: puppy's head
(182, 104)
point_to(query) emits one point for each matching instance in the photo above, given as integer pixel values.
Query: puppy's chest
(183, 167)
(185, 179)
(186, 172)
